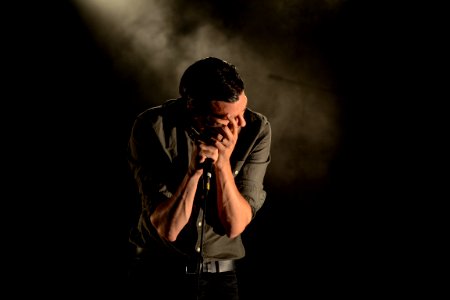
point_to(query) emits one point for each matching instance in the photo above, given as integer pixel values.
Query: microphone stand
(207, 175)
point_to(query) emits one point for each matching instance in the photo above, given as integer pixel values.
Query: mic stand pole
(206, 188)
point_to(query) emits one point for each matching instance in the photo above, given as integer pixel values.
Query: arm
(235, 212)
(167, 202)
(172, 215)
(238, 199)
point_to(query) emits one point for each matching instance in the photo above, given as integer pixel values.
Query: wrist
(222, 165)
(195, 173)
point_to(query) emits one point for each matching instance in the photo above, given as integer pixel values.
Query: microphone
(207, 172)
(208, 163)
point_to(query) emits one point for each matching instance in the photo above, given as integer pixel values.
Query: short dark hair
(210, 79)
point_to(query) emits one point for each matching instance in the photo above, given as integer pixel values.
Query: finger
(220, 137)
(208, 151)
(225, 142)
(216, 122)
(233, 124)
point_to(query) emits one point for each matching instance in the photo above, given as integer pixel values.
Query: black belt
(217, 266)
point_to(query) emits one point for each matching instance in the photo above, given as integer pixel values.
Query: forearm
(171, 216)
(234, 211)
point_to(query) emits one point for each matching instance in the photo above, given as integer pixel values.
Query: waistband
(217, 266)
(192, 267)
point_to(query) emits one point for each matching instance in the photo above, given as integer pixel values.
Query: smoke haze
(338, 80)
(154, 42)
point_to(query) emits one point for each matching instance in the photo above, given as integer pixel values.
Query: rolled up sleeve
(251, 173)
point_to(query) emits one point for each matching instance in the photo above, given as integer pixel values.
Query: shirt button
(199, 224)
(236, 172)
(198, 249)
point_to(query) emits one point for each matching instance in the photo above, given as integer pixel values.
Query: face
(220, 111)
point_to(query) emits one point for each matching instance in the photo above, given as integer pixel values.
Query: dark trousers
(155, 279)
(219, 286)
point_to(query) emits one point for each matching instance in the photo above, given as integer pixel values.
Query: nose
(241, 121)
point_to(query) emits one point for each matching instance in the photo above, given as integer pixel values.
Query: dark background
(338, 219)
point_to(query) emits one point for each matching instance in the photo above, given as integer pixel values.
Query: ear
(193, 106)
(191, 109)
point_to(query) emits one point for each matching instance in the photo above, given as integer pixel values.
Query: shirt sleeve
(251, 173)
(149, 163)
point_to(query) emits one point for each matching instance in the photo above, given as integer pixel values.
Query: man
(199, 162)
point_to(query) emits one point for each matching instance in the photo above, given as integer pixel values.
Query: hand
(201, 152)
(227, 139)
